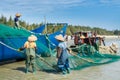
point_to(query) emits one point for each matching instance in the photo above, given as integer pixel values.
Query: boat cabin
(87, 37)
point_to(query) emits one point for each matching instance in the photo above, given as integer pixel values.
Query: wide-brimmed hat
(18, 14)
(32, 38)
(59, 37)
(82, 37)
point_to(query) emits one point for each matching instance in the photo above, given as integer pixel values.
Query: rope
(81, 58)
(8, 46)
(30, 31)
(49, 41)
(46, 62)
(90, 61)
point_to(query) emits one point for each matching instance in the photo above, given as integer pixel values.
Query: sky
(93, 13)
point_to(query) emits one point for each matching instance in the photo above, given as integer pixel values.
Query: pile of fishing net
(82, 56)
(86, 55)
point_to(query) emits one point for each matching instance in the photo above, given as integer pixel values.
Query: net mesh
(84, 55)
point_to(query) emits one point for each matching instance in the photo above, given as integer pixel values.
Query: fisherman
(30, 50)
(81, 40)
(96, 41)
(62, 55)
(16, 20)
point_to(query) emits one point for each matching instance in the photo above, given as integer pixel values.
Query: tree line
(51, 27)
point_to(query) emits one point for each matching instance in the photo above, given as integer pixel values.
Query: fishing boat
(39, 29)
(89, 38)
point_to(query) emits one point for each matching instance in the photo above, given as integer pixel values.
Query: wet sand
(16, 71)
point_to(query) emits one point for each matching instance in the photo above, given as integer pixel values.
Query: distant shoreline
(110, 36)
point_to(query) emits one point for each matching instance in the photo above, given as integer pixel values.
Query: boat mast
(45, 24)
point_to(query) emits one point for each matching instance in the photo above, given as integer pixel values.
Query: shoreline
(110, 36)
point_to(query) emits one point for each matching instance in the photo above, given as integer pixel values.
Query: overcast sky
(94, 13)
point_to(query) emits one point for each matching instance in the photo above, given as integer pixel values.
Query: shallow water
(104, 72)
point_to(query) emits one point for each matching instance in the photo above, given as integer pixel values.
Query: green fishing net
(82, 55)
(87, 55)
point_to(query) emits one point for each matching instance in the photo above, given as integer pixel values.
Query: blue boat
(39, 29)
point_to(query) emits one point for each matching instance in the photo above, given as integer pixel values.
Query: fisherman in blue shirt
(16, 20)
(63, 55)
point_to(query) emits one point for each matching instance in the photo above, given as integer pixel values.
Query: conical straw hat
(82, 37)
(18, 14)
(32, 38)
(98, 36)
(59, 37)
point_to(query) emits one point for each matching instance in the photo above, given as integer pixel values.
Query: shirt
(29, 44)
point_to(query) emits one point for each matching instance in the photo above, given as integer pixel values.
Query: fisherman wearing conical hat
(62, 55)
(81, 39)
(30, 51)
(16, 20)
